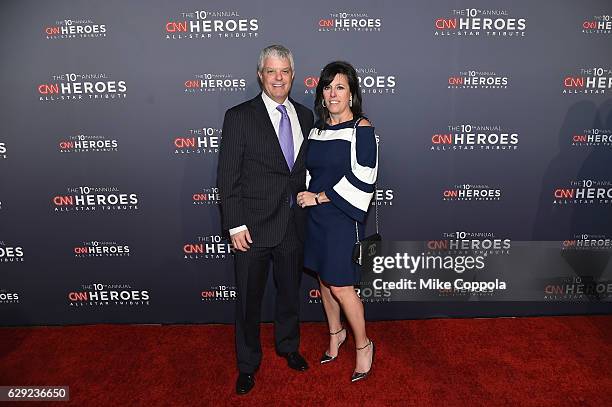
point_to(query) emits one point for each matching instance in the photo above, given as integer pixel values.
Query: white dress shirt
(275, 117)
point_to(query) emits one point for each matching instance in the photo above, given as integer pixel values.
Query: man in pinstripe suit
(261, 170)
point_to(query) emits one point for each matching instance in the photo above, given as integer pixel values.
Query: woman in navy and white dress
(342, 165)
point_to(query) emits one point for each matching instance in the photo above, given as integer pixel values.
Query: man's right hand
(241, 240)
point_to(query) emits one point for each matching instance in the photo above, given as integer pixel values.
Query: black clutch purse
(366, 248)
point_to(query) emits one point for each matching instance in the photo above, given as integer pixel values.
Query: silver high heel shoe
(326, 358)
(362, 375)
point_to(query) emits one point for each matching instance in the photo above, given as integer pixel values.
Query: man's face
(276, 78)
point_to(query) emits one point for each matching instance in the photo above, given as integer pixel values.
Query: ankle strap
(336, 333)
(363, 347)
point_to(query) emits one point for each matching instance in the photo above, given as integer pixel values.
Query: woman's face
(337, 95)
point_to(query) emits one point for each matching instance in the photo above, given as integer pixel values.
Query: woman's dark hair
(327, 76)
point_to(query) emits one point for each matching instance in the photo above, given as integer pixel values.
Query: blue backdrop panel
(494, 120)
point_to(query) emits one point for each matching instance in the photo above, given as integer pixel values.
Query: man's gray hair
(277, 51)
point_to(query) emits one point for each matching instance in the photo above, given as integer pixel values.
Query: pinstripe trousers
(251, 271)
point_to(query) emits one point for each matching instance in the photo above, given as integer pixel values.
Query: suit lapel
(269, 134)
(304, 126)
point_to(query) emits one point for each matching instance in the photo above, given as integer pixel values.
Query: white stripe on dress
(353, 195)
(327, 135)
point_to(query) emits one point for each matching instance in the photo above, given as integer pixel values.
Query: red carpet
(552, 361)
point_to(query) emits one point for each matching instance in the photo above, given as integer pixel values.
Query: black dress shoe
(245, 383)
(326, 358)
(362, 375)
(295, 361)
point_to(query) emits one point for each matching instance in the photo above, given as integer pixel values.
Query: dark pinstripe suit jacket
(253, 178)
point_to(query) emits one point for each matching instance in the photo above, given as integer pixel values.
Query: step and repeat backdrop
(495, 127)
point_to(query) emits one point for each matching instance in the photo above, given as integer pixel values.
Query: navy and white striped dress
(344, 166)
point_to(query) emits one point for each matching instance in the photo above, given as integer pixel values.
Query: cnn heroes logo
(82, 87)
(206, 197)
(219, 293)
(585, 241)
(588, 81)
(114, 294)
(214, 82)
(463, 242)
(84, 143)
(101, 249)
(10, 254)
(600, 24)
(349, 21)
(576, 288)
(208, 248)
(95, 198)
(364, 292)
(464, 137)
(9, 297)
(585, 192)
(371, 81)
(203, 24)
(472, 22)
(199, 141)
(71, 29)
(478, 80)
(592, 138)
(472, 192)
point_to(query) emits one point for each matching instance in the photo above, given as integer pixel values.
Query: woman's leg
(332, 312)
(353, 309)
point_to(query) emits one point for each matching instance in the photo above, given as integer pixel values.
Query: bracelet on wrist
(317, 198)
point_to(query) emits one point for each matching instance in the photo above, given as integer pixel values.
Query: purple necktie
(285, 136)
